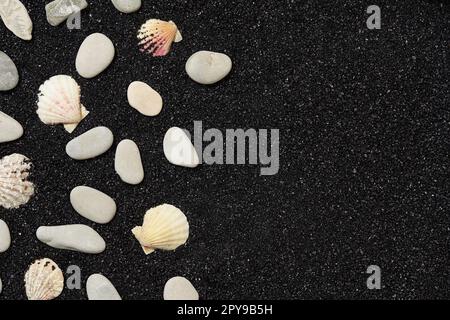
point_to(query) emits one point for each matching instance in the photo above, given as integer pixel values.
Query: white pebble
(5, 236)
(208, 67)
(179, 288)
(127, 6)
(75, 237)
(10, 129)
(93, 204)
(179, 150)
(128, 163)
(95, 54)
(90, 144)
(98, 287)
(144, 99)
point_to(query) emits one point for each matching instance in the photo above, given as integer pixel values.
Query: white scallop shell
(59, 102)
(44, 280)
(165, 227)
(15, 190)
(16, 18)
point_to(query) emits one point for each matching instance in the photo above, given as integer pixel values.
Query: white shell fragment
(98, 287)
(15, 17)
(59, 10)
(76, 237)
(15, 189)
(44, 280)
(59, 102)
(206, 67)
(127, 6)
(95, 54)
(165, 227)
(90, 144)
(180, 288)
(5, 236)
(93, 204)
(144, 99)
(179, 150)
(9, 76)
(10, 129)
(128, 163)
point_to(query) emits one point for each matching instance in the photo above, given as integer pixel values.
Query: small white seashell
(15, 189)
(179, 150)
(15, 17)
(59, 10)
(156, 37)
(180, 288)
(10, 129)
(165, 227)
(59, 102)
(75, 237)
(44, 280)
(98, 287)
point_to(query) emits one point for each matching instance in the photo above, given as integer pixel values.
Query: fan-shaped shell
(15, 189)
(44, 280)
(59, 102)
(165, 227)
(156, 37)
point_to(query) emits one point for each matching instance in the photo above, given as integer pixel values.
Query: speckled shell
(15, 190)
(44, 280)
(156, 37)
(165, 227)
(59, 102)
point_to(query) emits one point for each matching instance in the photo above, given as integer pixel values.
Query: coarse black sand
(363, 118)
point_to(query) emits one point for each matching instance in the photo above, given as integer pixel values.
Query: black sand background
(363, 117)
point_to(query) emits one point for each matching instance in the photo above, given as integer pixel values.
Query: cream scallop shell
(165, 227)
(15, 189)
(44, 280)
(59, 102)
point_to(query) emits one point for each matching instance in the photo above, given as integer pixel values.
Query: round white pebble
(95, 54)
(144, 99)
(90, 144)
(98, 287)
(179, 288)
(93, 204)
(206, 67)
(10, 129)
(127, 6)
(5, 236)
(128, 163)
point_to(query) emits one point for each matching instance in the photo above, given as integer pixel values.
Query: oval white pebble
(98, 287)
(179, 150)
(75, 237)
(208, 67)
(127, 6)
(93, 204)
(144, 98)
(95, 54)
(10, 129)
(180, 288)
(9, 76)
(90, 144)
(128, 163)
(5, 236)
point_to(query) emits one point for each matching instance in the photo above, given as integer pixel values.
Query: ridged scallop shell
(15, 190)
(16, 18)
(59, 102)
(44, 280)
(157, 37)
(165, 227)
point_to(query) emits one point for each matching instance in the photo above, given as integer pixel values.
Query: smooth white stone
(95, 54)
(58, 11)
(179, 288)
(179, 150)
(128, 163)
(10, 129)
(93, 204)
(5, 236)
(127, 6)
(98, 287)
(144, 99)
(75, 237)
(9, 76)
(90, 144)
(208, 67)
